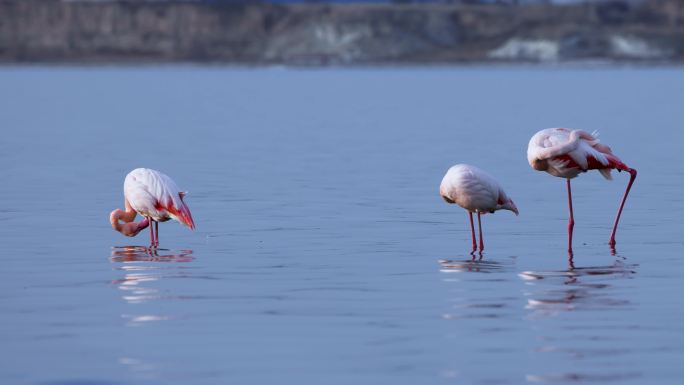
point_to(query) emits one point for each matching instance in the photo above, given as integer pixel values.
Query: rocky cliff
(128, 31)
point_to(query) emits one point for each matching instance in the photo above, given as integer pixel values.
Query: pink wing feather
(570, 152)
(153, 194)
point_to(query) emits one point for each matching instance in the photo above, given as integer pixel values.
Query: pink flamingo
(156, 197)
(565, 153)
(475, 191)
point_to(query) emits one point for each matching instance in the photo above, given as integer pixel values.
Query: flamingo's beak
(511, 206)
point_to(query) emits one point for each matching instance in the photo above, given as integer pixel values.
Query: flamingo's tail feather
(182, 215)
(185, 217)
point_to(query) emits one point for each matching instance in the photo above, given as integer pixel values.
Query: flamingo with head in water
(156, 197)
(477, 192)
(566, 153)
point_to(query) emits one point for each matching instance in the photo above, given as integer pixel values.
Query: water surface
(323, 253)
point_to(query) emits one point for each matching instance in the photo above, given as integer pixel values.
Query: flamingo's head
(129, 229)
(505, 203)
(509, 205)
(132, 229)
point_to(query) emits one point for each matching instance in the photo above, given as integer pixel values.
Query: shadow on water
(574, 312)
(143, 266)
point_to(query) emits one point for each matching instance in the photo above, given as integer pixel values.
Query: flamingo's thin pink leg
(479, 224)
(151, 232)
(571, 221)
(472, 231)
(156, 232)
(632, 176)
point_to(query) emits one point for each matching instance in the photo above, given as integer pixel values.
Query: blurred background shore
(341, 33)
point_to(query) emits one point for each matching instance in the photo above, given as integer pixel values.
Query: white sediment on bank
(520, 49)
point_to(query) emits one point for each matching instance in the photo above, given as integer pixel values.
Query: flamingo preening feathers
(566, 153)
(477, 192)
(560, 152)
(156, 197)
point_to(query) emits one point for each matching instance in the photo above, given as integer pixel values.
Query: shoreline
(313, 35)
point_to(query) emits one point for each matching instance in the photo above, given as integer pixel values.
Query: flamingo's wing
(137, 193)
(154, 194)
(470, 188)
(569, 152)
(490, 187)
(171, 200)
(597, 156)
(549, 143)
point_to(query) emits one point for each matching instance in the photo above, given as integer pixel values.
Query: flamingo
(477, 192)
(156, 197)
(565, 153)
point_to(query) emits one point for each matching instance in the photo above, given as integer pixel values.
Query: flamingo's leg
(151, 232)
(156, 232)
(632, 176)
(472, 231)
(479, 224)
(571, 221)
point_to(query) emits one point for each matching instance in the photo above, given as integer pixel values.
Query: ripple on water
(80, 382)
(142, 267)
(125, 254)
(582, 377)
(573, 313)
(577, 287)
(475, 264)
(477, 296)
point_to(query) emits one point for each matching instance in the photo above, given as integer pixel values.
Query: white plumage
(474, 190)
(566, 153)
(477, 192)
(154, 195)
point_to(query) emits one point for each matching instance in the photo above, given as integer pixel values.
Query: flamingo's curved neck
(128, 228)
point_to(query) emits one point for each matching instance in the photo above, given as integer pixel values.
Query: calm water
(323, 253)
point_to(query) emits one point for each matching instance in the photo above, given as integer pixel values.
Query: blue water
(323, 253)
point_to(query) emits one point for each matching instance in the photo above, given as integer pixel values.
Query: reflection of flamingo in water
(156, 197)
(144, 254)
(566, 153)
(142, 266)
(572, 291)
(475, 191)
(475, 264)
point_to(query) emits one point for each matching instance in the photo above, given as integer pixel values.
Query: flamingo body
(477, 192)
(566, 153)
(156, 197)
(474, 190)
